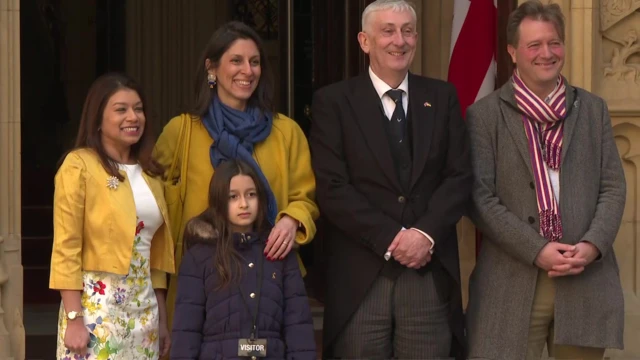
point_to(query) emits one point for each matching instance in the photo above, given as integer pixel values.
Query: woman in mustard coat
(233, 117)
(112, 247)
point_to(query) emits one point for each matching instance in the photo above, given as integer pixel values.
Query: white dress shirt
(554, 175)
(387, 102)
(389, 107)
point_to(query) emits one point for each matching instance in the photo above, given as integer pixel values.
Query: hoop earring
(212, 80)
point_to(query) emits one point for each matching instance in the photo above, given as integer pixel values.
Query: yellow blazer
(284, 159)
(94, 226)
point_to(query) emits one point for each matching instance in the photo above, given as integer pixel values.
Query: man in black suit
(391, 159)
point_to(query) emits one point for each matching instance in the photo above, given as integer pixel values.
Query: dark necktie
(398, 119)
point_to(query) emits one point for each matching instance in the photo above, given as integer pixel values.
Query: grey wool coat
(589, 307)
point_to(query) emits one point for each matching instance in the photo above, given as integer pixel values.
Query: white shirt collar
(382, 87)
(548, 98)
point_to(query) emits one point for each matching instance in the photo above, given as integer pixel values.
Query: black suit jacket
(363, 202)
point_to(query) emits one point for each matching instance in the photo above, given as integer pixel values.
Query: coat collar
(123, 194)
(421, 102)
(513, 119)
(246, 240)
(201, 228)
(157, 189)
(368, 109)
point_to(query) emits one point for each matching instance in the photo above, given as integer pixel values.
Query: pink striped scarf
(544, 128)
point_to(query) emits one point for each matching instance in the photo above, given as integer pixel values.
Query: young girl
(231, 301)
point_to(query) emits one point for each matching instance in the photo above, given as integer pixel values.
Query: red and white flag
(472, 67)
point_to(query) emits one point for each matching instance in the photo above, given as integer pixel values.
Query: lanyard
(258, 295)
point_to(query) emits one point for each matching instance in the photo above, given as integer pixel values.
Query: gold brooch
(112, 182)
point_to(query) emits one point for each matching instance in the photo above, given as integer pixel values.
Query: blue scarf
(234, 134)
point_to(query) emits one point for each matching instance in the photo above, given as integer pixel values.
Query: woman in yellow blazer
(112, 246)
(233, 117)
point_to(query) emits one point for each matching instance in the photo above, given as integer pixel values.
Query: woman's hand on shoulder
(281, 238)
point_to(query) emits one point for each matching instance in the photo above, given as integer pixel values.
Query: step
(41, 327)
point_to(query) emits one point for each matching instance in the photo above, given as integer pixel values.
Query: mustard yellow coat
(94, 226)
(283, 157)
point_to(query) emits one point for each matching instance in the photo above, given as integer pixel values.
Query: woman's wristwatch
(72, 315)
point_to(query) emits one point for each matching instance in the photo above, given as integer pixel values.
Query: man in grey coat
(548, 195)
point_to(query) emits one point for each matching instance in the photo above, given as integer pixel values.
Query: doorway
(66, 45)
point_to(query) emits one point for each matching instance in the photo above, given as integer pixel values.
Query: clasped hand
(559, 259)
(411, 249)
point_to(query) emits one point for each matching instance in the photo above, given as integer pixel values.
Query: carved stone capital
(620, 47)
(612, 11)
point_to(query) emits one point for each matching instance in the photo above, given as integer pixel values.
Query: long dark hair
(89, 136)
(226, 259)
(220, 42)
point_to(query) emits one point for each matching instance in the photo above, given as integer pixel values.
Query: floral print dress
(121, 312)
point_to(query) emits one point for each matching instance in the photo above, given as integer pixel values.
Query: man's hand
(583, 250)
(552, 260)
(411, 249)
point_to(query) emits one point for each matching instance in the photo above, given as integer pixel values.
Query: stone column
(11, 328)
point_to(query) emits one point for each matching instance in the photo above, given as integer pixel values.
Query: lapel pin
(427, 104)
(112, 182)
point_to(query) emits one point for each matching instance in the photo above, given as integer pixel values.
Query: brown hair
(534, 9)
(220, 42)
(216, 219)
(89, 136)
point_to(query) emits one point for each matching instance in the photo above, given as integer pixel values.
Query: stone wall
(11, 328)
(616, 77)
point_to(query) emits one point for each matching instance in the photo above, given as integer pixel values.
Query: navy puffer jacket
(208, 322)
